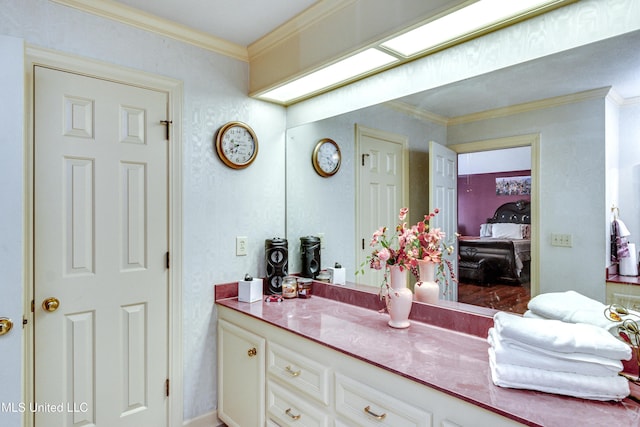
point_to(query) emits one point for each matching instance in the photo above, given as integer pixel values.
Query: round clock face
(237, 145)
(326, 157)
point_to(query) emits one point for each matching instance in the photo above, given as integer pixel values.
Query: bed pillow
(485, 230)
(505, 230)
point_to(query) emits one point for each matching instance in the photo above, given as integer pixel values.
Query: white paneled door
(443, 195)
(101, 241)
(381, 191)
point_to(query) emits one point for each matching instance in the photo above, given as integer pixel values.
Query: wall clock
(236, 145)
(326, 157)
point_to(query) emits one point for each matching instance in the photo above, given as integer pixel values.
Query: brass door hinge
(167, 259)
(166, 387)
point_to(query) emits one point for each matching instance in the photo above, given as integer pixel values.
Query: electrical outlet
(241, 245)
(563, 240)
(321, 237)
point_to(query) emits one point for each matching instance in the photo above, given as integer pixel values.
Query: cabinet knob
(368, 411)
(252, 352)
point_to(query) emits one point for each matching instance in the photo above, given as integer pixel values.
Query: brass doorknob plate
(5, 325)
(51, 304)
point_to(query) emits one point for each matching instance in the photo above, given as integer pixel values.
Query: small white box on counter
(338, 275)
(250, 290)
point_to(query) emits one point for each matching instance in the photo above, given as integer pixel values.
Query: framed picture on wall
(513, 186)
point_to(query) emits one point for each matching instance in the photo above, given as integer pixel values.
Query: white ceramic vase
(426, 289)
(399, 299)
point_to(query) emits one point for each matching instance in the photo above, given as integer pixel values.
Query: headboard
(516, 212)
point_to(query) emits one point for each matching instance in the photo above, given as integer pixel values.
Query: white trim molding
(532, 140)
(131, 16)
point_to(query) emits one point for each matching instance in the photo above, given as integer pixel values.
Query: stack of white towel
(573, 359)
(573, 307)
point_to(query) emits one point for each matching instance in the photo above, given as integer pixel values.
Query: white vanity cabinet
(241, 376)
(626, 294)
(298, 388)
(311, 384)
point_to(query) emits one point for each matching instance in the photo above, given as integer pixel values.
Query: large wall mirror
(572, 107)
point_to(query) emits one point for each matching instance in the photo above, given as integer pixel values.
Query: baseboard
(207, 420)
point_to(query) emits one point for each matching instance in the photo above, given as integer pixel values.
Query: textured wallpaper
(219, 203)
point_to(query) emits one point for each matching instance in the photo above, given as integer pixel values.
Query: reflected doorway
(491, 174)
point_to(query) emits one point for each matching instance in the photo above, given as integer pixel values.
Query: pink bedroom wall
(477, 199)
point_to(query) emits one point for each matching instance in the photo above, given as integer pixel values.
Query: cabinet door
(241, 376)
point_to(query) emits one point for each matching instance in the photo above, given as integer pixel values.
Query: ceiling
(239, 21)
(613, 62)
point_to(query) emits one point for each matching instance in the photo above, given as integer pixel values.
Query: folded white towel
(576, 385)
(512, 352)
(572, 307)
(559, 336)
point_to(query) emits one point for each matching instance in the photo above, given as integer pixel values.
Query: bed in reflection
(502, 252)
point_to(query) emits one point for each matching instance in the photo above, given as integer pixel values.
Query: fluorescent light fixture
(341, 71)
(478, 16)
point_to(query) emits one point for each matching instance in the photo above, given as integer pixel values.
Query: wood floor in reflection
(512, 298)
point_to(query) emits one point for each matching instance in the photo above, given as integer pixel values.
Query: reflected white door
(443, 194)
(101, 238)
(381, 191)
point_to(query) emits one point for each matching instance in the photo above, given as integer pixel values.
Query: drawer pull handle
(252, 352)
(367, 410)
(295, 417)
(292, 372)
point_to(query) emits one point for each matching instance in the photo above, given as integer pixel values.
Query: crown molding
(295, 25)
(135, 17)
(531, 106)
(605, 92)
(621, 101)
(631, 101)
(409, 109)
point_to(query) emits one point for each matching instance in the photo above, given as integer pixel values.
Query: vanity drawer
(365, 406)
(285, 408)
(298, 372)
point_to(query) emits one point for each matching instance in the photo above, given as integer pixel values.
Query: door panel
(381, 191)
(101, 235)
(443, 194)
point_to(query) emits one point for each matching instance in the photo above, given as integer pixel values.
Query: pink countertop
(453, 362)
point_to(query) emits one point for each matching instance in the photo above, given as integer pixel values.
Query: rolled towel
(559, 336)
(511, 352)
(568, 384)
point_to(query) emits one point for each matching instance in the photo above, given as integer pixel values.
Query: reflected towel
(515, 353)
(623, 231)
(559, 336)
(576, 385)
(619, 242)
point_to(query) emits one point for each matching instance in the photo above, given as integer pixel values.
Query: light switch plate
(241, 245)
(563, 240)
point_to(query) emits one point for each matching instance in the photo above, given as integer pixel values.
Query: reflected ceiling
(613, 62)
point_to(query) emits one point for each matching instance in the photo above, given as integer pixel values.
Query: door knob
(5, 325)
(51, 304)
